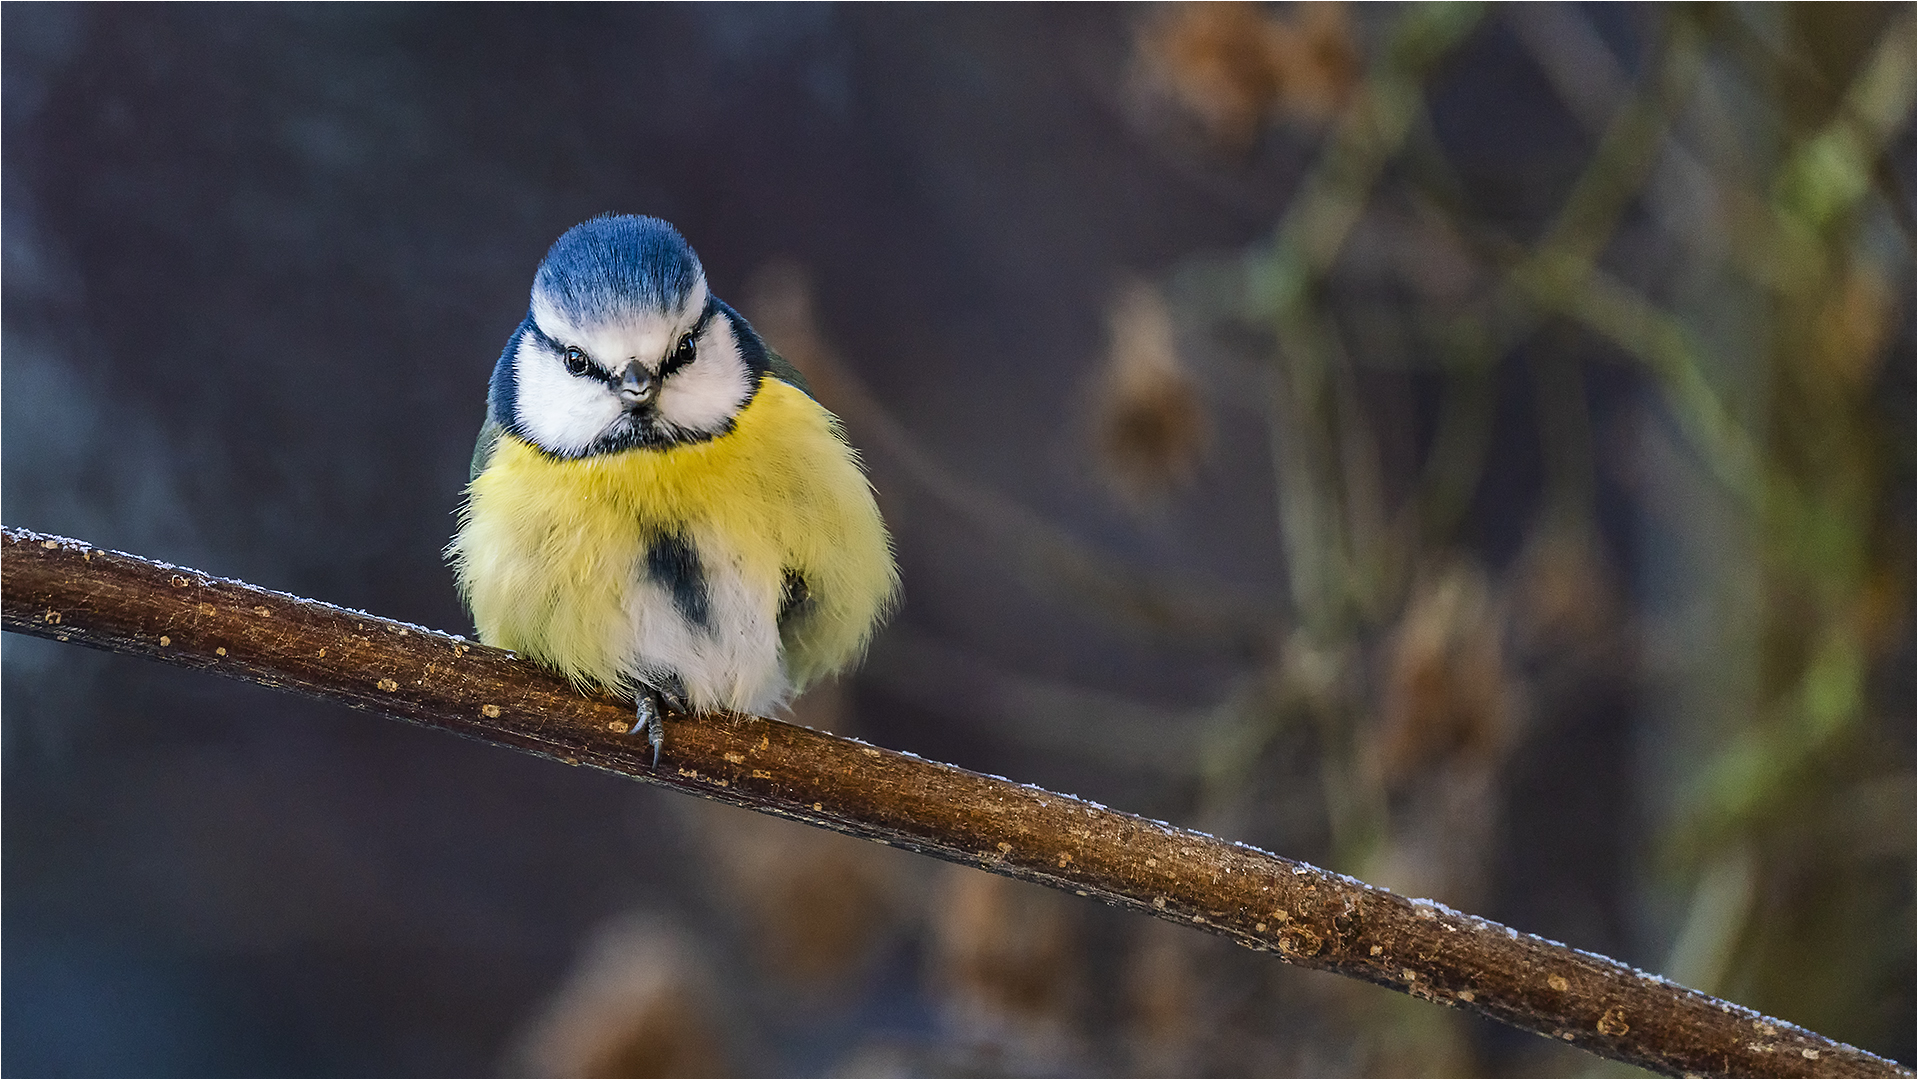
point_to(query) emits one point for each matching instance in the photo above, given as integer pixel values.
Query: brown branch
(69, 591)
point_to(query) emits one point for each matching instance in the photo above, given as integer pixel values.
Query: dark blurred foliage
(1470, 449)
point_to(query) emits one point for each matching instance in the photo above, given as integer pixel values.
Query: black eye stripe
(684, 353)
(687, 350)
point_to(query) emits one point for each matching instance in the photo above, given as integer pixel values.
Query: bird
(657, 505)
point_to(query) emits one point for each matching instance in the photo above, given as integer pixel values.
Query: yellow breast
(551, 555)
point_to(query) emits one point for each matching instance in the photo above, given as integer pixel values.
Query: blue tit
(658, 506)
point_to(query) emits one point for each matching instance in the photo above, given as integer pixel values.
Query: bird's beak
(638, 387)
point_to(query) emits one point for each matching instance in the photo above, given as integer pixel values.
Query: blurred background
(1470, 449)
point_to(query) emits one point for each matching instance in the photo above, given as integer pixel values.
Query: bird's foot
(653, 719)
(652, 706)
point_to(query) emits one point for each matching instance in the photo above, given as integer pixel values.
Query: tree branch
(69, 591)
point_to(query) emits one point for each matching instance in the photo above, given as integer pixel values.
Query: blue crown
(616, 265)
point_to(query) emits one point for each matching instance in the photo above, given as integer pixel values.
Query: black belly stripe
(674, 563)
(795, 598)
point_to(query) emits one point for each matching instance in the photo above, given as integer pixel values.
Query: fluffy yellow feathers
(658, 506)
(553, 554)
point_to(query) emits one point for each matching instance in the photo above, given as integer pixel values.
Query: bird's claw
(652, 717)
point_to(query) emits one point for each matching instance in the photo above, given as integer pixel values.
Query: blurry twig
(1557, 275)
(1329, 494)
(1826, 176)
(1171, 603)
(1757, 295)
(1832, 171)
(1574, 58)
(1576, 288)
(69, 591)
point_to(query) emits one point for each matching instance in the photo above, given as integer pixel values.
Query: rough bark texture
(69, 591)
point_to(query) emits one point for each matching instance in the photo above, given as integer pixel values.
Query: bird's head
(624, 346)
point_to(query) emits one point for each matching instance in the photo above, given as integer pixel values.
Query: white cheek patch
(706, 394)
(566, 413)
(561, 412)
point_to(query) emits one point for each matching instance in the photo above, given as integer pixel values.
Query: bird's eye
(682, 355)
(575, 361)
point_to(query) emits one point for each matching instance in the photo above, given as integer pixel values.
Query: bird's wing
(780, 368)
(489, 436)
